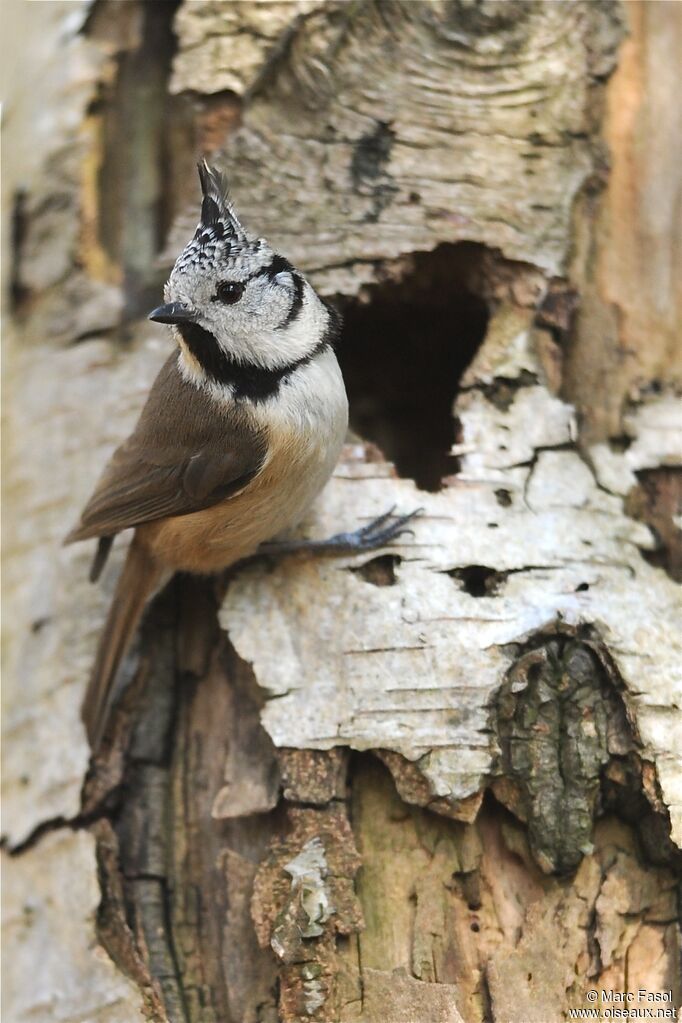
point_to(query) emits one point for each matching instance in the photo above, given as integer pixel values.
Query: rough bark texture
(442, 782)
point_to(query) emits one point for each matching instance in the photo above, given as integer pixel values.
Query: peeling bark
(379, 788)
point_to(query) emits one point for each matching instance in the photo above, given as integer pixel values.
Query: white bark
(54, 970)
(413, 667)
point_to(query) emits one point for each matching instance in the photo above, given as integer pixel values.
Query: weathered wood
(489, 139)
(466, 905)
(630, 267)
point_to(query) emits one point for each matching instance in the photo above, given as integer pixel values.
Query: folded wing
(187, 452)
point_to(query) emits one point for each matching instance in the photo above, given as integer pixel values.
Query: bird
(239, 433)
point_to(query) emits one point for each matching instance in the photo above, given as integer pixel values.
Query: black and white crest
(245, 317)
(220, 238)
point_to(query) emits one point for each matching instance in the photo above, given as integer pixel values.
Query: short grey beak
(174, 312)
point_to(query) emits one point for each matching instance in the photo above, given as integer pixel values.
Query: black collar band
(256, 383)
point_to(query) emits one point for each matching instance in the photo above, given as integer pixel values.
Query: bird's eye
(229, 292)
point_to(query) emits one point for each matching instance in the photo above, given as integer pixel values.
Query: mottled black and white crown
(220, 239)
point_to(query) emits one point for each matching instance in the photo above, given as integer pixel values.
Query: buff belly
(274, 502)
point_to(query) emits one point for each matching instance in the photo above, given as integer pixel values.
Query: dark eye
(229, 292)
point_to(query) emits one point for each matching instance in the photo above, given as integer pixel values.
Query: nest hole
(405, 347)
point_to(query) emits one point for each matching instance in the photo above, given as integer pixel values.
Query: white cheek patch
(283, 278)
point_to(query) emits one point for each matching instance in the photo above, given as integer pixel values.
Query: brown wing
(186, 453)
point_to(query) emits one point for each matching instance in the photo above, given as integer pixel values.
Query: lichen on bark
(558, 719)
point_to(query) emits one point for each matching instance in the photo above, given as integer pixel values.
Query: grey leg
(378, 533)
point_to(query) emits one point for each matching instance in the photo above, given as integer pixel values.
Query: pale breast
(306, 425)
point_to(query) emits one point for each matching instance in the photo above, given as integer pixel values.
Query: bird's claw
(376, 533)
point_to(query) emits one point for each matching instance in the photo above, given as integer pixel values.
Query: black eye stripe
(278, 265)
(296, 303)
(229, 292)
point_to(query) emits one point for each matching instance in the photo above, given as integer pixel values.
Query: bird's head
(230, 290)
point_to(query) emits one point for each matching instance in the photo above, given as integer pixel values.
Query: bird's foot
(380, 532)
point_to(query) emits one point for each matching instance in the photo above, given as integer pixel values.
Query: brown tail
(138, 580)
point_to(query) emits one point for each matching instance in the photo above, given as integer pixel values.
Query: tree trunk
(437, 783)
